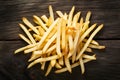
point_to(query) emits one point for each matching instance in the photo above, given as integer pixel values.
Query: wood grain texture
(106, 67)
(104, 11)
(13, 67)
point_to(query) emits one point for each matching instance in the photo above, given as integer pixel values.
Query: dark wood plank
(104, 11)
(106, 67)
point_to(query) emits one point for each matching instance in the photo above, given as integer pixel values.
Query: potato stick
(89, 40)
(86, 33)
(30, 49)
(76, 39)
(96, 47)
(60, 61)
(52, 32)
(92, 42)
(43, 65)
(71, 45)
(85, 26)
(31, 29)
(26, 47)
(72, 66)
(44, 18)
(58, 48)
(70, 16)
(75, 19)
(40, 22)
(27, 33)
(88, 16)
(67, 63)
(35, 55)
(25, 39)
(43, 60)
(49, 43)
(89, 57)
(48, 70)
(41, 30)
(30, 25)
(63, 31)
(65, 16)
(49, 22)
(52, 62)
(88, 50)
(57, 65)
(51, 48)
(60, 14)
(82, 65)
(51, 13)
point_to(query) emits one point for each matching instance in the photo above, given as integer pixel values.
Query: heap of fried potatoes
(63, 42)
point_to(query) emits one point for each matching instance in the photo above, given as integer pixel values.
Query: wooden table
(107, 65)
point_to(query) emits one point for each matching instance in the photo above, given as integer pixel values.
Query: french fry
(29, 25)
(25, 39)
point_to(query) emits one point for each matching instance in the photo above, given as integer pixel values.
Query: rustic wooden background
(107, 65)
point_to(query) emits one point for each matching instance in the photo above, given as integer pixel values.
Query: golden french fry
(25, 39)
(29, 25)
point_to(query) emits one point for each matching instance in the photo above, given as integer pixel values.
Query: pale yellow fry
(70, 16)
(52, 32)
(26, 47)
(35, 55)
(40, 22)
(25, 39)
(51, 48)
(89, 40)
(48, 70)
(30, 25)
(43, 65)
(30, 49)
(41, 30)
(52, 62)
(67, 63)
(88, 50)
(49, 43)
(71, 45)
(65, 16)
(76, 39)
(86, 33)
(72, 66)
(85, 26)
(75, 19)
(27, 33)
(43, 60)
(63, 31)
(89, 57)
(32, 30)
(82, 65)
(59, 13)
(51, 13)
(44, 18)
(58, 48)
(88, 16)
(57, 65)
(60, 61)
(92, 42)
(96, 47)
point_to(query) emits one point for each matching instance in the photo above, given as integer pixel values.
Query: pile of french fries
(63, 42)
